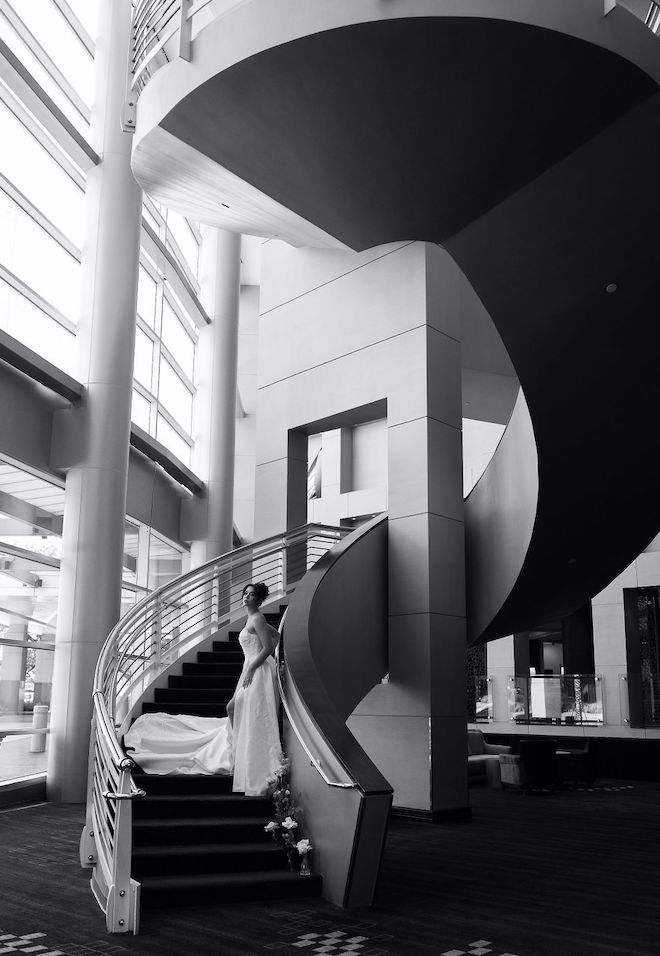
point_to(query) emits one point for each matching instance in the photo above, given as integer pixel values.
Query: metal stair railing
(157, 22)
(152, 636)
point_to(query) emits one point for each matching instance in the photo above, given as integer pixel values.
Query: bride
(246, 742)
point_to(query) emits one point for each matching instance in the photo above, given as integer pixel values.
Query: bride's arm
(264, 631)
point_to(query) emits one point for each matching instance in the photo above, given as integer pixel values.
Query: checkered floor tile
(478, 947)
(37, 944)
(30, 943)
(310, 932)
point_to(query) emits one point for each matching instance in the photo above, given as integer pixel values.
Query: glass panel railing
(563, 700)
(517, 693)
(480, 699)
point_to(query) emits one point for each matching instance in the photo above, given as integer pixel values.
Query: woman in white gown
(246, 742)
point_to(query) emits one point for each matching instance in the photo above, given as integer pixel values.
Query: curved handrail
(315, 761)
(148, 640)
(155, 22)
(333, 613)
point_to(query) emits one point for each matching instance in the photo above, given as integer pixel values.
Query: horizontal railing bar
(157, 30)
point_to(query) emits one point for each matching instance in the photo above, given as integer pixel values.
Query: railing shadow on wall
(334, 652)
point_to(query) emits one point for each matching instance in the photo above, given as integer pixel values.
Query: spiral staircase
(153, 840)
(553, 219)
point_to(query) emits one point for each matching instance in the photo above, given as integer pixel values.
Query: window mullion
(36, 299)
(44, 60)
(45, 140)
(177, 368)
(76, 26)
(31, 210)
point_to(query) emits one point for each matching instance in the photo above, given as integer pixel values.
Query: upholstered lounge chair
(484, 759)
(534, 768)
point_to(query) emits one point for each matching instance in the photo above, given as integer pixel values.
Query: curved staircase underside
(530, 155)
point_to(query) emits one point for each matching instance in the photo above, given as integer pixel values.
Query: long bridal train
(249, 748)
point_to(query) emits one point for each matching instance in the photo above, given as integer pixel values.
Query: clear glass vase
(305, 868)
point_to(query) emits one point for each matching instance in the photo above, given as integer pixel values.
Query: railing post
(158, 633)
(185, 27)
(216, 598)
(122, 911)
(283, 563)
(88, 855)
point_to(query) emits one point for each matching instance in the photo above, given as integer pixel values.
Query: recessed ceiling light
(611, 287)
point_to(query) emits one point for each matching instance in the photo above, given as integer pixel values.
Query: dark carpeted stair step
(198, 695)
(191, 707)
(194, 681)
(195, 806)
(184, 784)
(208, 858)
(217, 669)
(229, 648)
(227, 887)
(167, 831)
(220, 657)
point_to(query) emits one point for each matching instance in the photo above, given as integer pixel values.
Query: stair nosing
(237, 878)
(206, 849)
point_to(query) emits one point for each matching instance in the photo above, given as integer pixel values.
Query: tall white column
(92, 538)
(215, 425)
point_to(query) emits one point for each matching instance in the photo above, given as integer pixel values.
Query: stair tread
(208, 849)
(201, 797)
(247, 877)
(172, 822)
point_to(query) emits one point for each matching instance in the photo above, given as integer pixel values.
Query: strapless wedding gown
(249, 748)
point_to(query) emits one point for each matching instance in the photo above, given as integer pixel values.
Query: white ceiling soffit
(182, 178)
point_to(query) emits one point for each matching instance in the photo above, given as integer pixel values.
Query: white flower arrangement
(303, 847)
(287, 815)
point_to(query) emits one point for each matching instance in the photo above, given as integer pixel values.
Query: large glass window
(166, 338)
(31, 516)
(59, 42)
(178, 339)
(33, 327)
(37, 259)
(20, 46)
(33, 171)
(175, 396)
(87, 12)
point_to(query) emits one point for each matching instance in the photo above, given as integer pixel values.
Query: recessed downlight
(611, 287)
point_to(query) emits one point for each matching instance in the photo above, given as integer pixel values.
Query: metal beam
(30, 514)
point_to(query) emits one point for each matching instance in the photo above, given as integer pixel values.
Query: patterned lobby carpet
(567, 874)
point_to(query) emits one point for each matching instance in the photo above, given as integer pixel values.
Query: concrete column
(414, 727)
(93, 531)
(427, 579)
(215, 424)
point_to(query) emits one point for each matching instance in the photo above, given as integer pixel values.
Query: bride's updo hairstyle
(260, 590)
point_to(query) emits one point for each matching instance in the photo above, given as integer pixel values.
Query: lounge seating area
(484, 759)
(535, 763)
